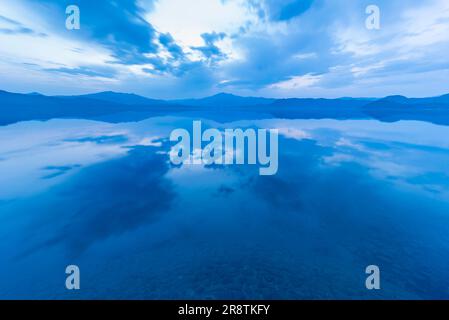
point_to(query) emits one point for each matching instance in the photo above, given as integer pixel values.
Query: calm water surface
(348, 194)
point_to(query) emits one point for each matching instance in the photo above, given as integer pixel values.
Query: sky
(174, 49)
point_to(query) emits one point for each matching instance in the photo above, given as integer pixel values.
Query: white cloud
(187, 20)
(296, 82)
(326, 52)
(50, 51)
(426, 25)
(294, 133)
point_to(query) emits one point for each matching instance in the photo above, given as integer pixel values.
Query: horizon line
(218, 94)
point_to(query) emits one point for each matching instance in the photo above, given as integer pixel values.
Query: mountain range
(123, 107)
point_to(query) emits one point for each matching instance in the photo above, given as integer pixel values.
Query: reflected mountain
(120, 107)
(395, 108)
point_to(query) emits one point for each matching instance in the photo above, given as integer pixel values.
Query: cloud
(283, 10)
(295, 82)
(210, 51)
(120, 28)
(257, 47)
(86, 71)
(186, 21)
(11, 27)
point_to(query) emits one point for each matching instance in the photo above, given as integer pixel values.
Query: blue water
(348, 194)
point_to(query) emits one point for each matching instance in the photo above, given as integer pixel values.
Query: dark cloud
(288, 9)
(291, 39)
(210, 51)
(122, 29)
(167, 41)
(280, 10)
(56, 171)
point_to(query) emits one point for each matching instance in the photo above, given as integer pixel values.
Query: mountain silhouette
(16, 107)
(123, 98)
(225, 100)
(396, 108)
(123, 107)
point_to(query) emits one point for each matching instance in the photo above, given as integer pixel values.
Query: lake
(102, 196)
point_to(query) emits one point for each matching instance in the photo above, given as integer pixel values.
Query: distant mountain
(120, 107)
(442, 99)
(16, 107)
(416, 101)
(395, 108)
(360, 99)
(225, 100)
(395, 99)
(123, 98)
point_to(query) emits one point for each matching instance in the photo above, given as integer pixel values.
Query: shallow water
(348, 194)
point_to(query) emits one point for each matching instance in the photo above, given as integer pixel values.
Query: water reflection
(347, 194)
(104, 200)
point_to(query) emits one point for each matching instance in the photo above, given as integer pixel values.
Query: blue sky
(182, 48)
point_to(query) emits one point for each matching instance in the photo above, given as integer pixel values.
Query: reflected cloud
(58, 170)
(346, 192)
(126, 194)
(115, 139)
